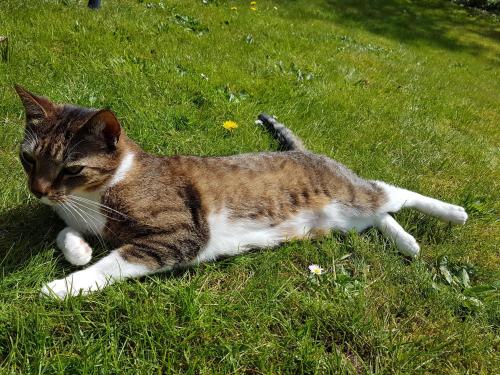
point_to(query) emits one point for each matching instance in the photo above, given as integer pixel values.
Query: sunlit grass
(405, 92)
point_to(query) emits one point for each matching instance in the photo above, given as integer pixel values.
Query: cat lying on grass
(165, 212)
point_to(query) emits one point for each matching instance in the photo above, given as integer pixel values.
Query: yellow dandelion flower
(253, 8)
(234, 8)
(253, 3)
(229, 125)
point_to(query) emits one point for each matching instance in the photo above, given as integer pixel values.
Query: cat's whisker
(100, 214)
(90, 223)
(92, 220)
(99, 209)
(83, 205)
(66, 209)
(100, 205)
(31, 136)
(95, 203)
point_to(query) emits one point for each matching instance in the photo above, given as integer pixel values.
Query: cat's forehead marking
(46, 147)
(57, 151)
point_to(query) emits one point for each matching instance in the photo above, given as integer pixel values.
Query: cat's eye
(28, 158)
(72, 170)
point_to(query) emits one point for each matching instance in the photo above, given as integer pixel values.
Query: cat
(165, 212)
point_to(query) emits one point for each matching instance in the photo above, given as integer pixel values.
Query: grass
(402, 91)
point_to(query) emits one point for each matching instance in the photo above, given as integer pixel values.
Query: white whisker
(100, 205)
(83, 205)
(90, 223)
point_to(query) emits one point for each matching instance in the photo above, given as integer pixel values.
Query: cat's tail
(288, 141)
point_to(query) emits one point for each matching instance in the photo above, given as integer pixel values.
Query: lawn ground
(402, 91)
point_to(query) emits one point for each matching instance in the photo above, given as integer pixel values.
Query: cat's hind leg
(401, 198)
(74, 247)
(391, 229)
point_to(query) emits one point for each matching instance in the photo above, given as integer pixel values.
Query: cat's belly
(229, 236)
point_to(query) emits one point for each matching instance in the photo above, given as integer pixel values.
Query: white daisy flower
(316, 270)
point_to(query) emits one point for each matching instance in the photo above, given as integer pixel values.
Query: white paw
(408, 246)
(75, 249)
(82, 282)
(455, 214)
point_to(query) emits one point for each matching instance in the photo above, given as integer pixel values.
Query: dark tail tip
(267, 121)
(264, 117)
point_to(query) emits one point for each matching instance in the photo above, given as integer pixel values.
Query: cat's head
(67, 149)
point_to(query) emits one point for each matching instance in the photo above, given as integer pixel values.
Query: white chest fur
(82, 213)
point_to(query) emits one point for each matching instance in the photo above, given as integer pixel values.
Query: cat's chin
(47, 201)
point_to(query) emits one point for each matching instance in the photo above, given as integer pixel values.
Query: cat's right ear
(36, 107)
(104, 125)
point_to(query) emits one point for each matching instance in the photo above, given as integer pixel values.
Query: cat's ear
(104, 124)
(36, 107)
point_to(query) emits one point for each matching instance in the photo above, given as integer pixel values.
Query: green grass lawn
(404, 91)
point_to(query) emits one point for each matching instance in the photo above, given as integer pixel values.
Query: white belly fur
(234, 236)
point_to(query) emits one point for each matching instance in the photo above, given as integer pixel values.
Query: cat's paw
(83, 282)
(456, 214)
(75, 249)
(56, 289)
(408, 246)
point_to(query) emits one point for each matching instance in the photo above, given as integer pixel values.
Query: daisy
(316, 270)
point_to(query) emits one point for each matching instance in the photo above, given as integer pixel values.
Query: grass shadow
(25, 231)
(425, 22)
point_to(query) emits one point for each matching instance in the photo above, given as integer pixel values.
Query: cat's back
(272, 184)
(303, 178)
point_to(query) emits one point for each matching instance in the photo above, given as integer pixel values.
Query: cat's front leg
(111, 268)
(74, 247)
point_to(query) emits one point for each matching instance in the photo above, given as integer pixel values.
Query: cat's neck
(129, 152)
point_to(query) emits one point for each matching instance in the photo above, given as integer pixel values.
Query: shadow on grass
(24, 231)
(415, 22)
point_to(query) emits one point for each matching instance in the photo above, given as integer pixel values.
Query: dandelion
(229, 125)
(253, 3)
(234, 8)
(316, 270)
(253, 8)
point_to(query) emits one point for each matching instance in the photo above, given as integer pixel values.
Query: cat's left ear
(105, 125)
(37, 107)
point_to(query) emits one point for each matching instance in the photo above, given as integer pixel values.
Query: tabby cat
(164, 212)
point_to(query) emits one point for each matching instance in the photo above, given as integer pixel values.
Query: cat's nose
(40, 188)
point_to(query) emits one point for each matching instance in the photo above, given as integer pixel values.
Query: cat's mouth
(49, 201)
(52, 201)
